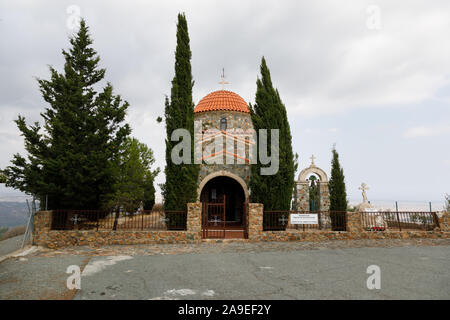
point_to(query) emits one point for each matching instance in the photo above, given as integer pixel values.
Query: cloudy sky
(371, 76)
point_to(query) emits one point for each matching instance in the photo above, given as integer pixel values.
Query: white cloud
(323, 59)
(424, 131)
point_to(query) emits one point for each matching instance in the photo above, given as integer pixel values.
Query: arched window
(223, 124)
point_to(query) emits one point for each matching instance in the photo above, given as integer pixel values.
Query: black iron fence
(381, 221)
(105, 220)
(326, 220)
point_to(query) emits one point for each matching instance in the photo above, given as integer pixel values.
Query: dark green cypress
(269, 112)
(180, 186)
(336, 185)
(313, 194)
(72, 160)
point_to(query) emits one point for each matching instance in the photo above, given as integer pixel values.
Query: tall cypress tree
(269, 112)
(336, 185)
(313, 194)
(70, 158)
(181, 179)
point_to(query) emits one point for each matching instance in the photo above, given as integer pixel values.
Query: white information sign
(310, 218)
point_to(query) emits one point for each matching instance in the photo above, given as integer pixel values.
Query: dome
(222, 100)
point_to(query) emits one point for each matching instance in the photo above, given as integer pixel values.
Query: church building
(224, 143)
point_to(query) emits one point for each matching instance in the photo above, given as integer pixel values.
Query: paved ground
(10, 245)
(295, 270)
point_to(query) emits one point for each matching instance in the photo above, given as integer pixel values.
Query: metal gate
(214, 219)
(214, 224)
(245, 219)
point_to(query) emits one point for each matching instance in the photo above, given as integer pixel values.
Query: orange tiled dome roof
(222, 100)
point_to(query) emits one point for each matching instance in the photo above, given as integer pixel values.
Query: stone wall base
(60, 239)
(314, 236)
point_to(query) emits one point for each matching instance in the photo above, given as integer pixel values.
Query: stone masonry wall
(314, 236)
(302, 189)
(58, 239)
(255, 220)
(324, 196)
(194, 217)
(354, 223)
(45, 237)
(237, 123)
(354, 230)
(444, 221)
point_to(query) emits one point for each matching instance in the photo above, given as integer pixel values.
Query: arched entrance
(224, 213)
(311, 191)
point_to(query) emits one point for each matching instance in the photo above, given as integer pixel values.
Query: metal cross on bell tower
(223, 82)
(312, 160)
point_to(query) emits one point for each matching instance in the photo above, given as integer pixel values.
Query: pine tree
(269, 112)
(181, 179)
(133, 179)
(71, 157)
(336, 185)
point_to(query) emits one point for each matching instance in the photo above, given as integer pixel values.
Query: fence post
(255, 220)
(320, 223)
(398, 219)
(436, 220)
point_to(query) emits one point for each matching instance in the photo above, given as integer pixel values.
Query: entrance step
(224, 240)
(229, 234)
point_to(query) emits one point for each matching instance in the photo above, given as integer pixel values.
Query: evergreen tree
(71, 157)
(181, 179)
(313, 194)
(133, 178)
(269, 112)
(336, 185)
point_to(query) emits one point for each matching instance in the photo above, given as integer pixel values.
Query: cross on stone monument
(283, 220)
(223, 82)
(312, 160)
(363, 188)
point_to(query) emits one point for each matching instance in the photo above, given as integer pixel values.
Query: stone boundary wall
(58, 239)
(444, 221)
(54, 239)
(316, 236)
(354, 230)
(43, 236)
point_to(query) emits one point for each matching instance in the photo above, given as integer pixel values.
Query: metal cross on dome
(312, 159)
(223, 82)
(283, 220)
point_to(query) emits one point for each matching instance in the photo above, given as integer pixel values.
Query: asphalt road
(406, 273)
(10, 245)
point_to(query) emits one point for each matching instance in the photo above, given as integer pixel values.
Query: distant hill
(13, 214)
